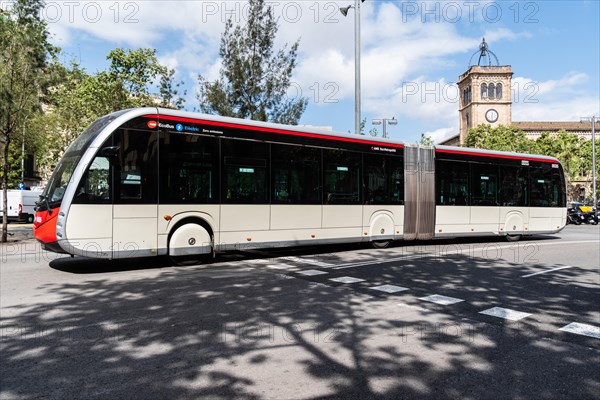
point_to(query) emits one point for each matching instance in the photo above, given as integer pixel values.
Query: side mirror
(110, 152)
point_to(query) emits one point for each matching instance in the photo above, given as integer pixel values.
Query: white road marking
(505, 313)
(389, 288)
(312, 272)
(546, 271)
(384, 261)
(582, 329)
(442, 300)
(282, 266)
(316, 263)
(346, 279)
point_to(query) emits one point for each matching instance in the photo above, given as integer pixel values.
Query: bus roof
(303, 131)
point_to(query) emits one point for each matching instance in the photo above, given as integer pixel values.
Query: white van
(21, 204)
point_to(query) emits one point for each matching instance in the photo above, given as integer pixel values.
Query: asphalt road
(284, 325)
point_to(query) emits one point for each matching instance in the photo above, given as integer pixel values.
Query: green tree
(78, 98)
(136, 71)
(502, 138)
(425, 140)
(24, 51)
(254, 77)
(567, 147)
(169, 90)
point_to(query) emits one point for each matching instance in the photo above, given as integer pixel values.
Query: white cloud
(562, 99)
(403, 58)
(442, 134)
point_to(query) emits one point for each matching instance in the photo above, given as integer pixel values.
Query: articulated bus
(145, 182)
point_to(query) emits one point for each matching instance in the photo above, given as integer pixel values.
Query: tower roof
(485, 56)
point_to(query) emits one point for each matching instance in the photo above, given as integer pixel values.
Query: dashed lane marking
(505, 313)
(389, 288)
(383, 261)
(442, 300)
(312, 272)
(582, 329)
(282, 266)
(346, 279)
(308, 261)
(547, 271)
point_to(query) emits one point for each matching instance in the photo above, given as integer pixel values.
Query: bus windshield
(55, 190)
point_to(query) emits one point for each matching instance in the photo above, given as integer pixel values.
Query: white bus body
(150, 182)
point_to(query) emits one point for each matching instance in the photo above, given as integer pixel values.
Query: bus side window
(484, 184)
(383, 179)
(245, 172)
(452, 183)
(296, 174)
(135, 167)
(513, 186)
(341, 177)
(189, 169)
(547, 187)
(94, 187)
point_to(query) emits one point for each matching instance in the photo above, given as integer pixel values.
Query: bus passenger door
(135, 189)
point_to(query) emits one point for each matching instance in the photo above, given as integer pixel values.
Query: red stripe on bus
(513, 157)
(273, 130)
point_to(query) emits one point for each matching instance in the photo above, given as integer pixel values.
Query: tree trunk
(6, 168)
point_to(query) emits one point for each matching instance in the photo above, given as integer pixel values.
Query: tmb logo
(152, 124)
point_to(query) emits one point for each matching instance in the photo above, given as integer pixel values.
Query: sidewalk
(18, 232)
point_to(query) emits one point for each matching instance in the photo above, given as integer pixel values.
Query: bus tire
(380, 244)
(513, 238)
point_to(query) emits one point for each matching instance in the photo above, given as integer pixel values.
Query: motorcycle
(575, 215)
(591, 217)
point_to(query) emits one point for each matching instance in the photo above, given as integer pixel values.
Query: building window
(467, 95)
(491, 90)
(499, 91)
(484, 91)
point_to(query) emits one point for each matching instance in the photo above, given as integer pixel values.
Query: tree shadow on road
(229, 332)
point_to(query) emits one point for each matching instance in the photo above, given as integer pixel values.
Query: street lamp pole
(385, 122)
(344, 11)
(357, 67)
(593, 121)
(594, 159)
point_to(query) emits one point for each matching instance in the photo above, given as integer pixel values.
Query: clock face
(491, 115)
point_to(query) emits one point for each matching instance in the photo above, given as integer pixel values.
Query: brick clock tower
(485, 93)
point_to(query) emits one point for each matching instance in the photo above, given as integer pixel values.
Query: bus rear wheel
(513, 238)
(380, 244)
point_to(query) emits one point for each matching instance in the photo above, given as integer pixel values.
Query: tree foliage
(574, 152)
(254, 77)
(24, 51)
(502, 138)
(425, 140)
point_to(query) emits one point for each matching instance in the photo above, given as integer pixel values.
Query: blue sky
(412, 52)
